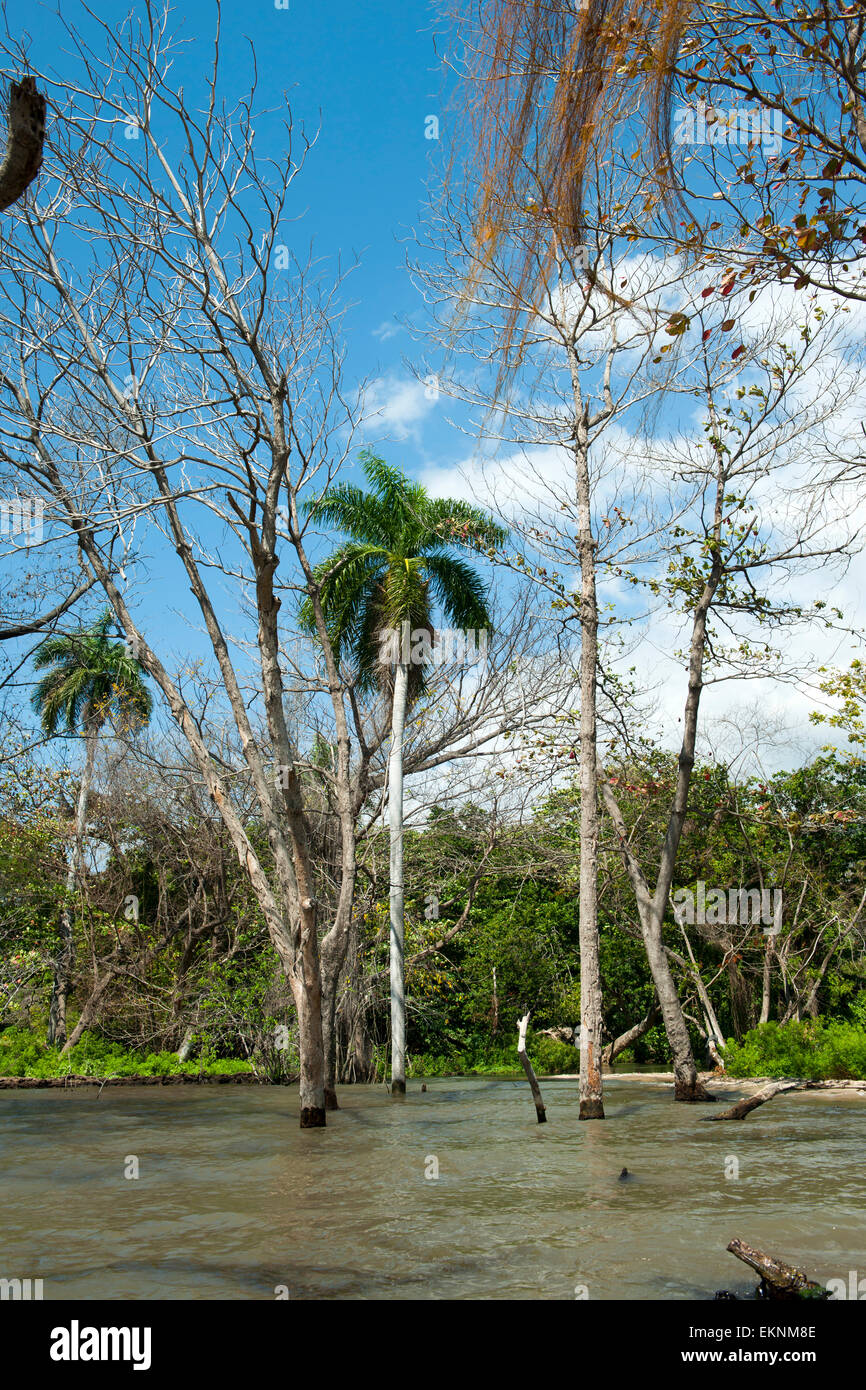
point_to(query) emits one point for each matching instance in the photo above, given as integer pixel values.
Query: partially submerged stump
(778, 1280)
(522, 1025)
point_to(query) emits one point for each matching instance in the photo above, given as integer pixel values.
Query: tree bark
(591, 1086)
(766, 980)
(306, 991)
(540, 1111)
(329, 1010)
(65, 959)
(395, 817)
(23, 158)
(687, 1087)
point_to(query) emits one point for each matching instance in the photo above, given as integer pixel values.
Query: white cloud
(389, 328)
(399, 405)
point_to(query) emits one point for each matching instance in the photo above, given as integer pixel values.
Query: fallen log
(749, 1103)
(540, 1111)
(778, 1280)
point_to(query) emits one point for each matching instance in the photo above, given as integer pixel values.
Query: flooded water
(234, 1201)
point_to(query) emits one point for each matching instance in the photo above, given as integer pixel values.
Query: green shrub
(814, 1050)
(487, 1058)
(22, 1053)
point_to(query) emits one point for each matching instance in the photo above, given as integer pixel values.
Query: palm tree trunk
(65, 958)
(395, 817)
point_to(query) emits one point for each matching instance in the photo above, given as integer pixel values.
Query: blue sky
(369, 77)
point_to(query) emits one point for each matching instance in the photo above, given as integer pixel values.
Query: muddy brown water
(234, 1201)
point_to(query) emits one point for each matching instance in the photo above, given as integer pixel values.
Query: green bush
(496, 1059)
(22, 1053)
(815, 1050)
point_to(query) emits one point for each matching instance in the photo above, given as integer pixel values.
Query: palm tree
(90, 678)
(396, 568)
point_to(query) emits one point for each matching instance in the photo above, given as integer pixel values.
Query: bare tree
(587, 338)
(189, 377)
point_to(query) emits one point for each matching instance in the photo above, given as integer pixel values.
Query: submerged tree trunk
(65, 959)
(395, 817)
(308, 1003)
(591, 1087)
(541, 1113)
(329, 1012)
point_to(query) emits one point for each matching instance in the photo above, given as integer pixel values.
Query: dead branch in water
(527, 1067)
(775, 1088)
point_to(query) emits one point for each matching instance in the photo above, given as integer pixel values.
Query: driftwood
(778, 1280)
(23, 158)
(522, 1025)
(775, 1088)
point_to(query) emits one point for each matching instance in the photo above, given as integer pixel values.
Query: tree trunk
(591, 1087)
(186, 1047)
(65, 959)
(329, 1012)
(395, 817)
(62, 970)
(767, 979)
(687, 1087)
(540, 1111)
(740, 995)
(715, 1037)
(308, 1004)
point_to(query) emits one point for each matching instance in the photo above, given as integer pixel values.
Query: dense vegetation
(168, 920)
